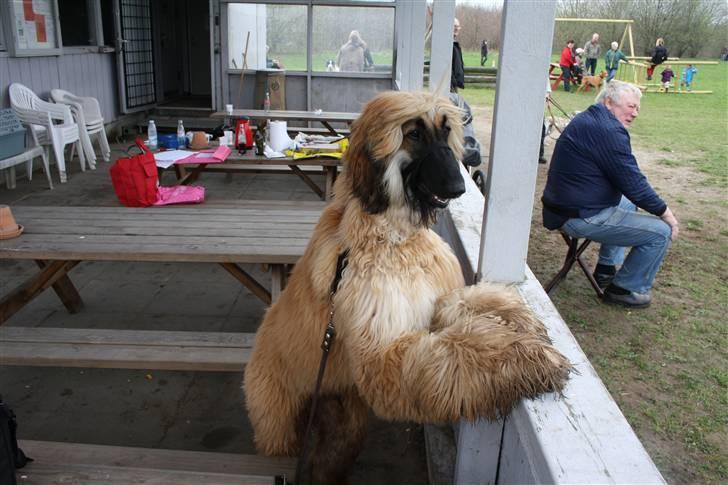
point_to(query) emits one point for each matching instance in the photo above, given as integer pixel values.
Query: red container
(243, 134)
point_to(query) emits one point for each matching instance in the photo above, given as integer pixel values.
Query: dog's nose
(455, 188)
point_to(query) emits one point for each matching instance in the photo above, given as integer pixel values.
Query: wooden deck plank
(54, 453)
(125, 349)
(148, 228)
(216, 214)
(42, 474)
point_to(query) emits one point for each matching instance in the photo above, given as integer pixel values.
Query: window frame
(309, 72)
(2, 29)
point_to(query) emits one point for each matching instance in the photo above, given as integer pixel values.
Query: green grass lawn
(666, 366)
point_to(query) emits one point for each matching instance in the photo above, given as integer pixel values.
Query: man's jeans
(591, 65)
(611, 74)
(621, 226)
(565, 76)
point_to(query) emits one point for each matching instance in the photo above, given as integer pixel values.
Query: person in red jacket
(566, 61)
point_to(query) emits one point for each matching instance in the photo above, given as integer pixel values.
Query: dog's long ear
(366, 174)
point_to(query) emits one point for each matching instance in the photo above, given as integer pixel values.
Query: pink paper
(212, 155)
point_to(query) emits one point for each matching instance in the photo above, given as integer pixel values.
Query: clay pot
(8, 227)
(199, 140)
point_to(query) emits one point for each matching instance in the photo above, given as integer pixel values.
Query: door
(135, 55)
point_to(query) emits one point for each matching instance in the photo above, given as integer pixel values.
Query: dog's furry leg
(485, 352)
(338, 435)
(275, 432)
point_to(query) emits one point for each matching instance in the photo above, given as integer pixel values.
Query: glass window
(277, 36)
(107, 22)
(75, 22)
(353, 39)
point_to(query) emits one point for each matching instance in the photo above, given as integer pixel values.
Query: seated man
(593, 186)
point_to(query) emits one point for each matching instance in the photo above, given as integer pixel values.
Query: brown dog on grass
(592, 81)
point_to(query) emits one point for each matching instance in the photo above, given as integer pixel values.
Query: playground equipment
(636, 72)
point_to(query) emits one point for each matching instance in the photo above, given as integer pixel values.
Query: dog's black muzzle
(439, 173)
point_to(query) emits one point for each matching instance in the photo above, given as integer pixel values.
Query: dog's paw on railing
(486, 352)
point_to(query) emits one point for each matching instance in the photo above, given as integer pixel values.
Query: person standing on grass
(593, 189)
(686, 79)
(667, 75)
(592, 49)
(612, 58)
(565, 62)
(483, 52)
(457, 74)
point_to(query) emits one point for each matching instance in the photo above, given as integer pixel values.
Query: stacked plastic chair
(87, 114)
(52, 124)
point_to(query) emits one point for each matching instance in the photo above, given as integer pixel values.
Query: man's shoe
(542, 160)
(613, 294)
(603, 279)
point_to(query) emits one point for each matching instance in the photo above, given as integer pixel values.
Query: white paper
(167, 158)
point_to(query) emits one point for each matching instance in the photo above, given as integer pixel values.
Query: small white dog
(331, 66)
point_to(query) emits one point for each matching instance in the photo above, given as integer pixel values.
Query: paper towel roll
(279, 139)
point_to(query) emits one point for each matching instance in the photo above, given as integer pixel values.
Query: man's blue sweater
(591, 168)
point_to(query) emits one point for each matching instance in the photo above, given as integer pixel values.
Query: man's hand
(670, 220)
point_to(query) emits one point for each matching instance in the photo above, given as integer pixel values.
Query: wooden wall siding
(83, 73)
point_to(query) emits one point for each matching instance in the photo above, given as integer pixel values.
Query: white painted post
(443, 13)
(525, 49)
(410, 33)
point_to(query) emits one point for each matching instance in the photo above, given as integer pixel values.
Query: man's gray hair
(614, 90)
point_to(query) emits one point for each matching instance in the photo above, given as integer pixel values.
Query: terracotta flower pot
(8, 227)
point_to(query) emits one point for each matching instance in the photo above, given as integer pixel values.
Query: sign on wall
(35, 27)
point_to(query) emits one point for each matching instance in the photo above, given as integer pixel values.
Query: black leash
(326, 344)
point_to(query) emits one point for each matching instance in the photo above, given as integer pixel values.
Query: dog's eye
(414, 135)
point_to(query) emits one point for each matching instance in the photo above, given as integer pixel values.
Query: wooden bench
(91, 464)
(323, 117)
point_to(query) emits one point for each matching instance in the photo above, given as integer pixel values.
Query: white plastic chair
(41, 116)
(87, 113)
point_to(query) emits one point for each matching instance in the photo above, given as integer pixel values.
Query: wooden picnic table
(323, 117)
(251, 163)
(58, 238)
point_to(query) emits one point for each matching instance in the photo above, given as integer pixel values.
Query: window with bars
(138, 54)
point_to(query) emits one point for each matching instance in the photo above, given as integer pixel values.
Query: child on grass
(687, 77)
(667, 76)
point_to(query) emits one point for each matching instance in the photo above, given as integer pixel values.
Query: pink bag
(181, 194)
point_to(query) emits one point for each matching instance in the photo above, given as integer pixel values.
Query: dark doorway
(184, 53)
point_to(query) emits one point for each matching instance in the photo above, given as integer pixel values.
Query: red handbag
(135, 178)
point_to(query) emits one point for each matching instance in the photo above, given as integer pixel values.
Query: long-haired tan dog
(412, 343)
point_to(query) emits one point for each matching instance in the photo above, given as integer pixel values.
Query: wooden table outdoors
(273, 233)
(270, 232)
(251, 163)
(324, 117)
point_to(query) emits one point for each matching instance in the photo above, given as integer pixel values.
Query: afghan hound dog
(412, 342)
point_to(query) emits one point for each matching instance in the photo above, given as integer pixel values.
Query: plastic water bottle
(266, 103)
(181, 138)
(152, 135)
